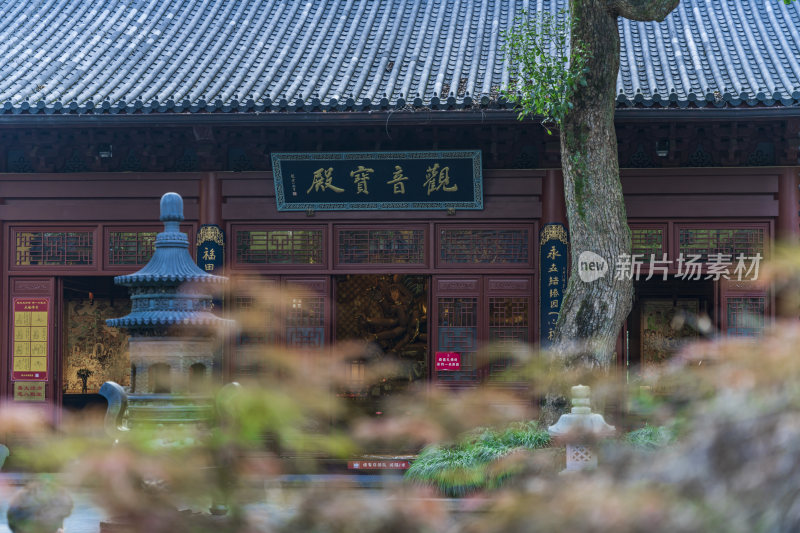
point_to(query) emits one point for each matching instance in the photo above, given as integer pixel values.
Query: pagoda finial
(171, 207)
(171, 262)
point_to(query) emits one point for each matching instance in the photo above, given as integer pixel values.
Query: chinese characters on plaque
(210, 248)
(553, 245)
(378, 180)
(30, 344)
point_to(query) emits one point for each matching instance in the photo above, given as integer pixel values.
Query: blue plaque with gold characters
(553, 250)
(378, 180)
(210, 248)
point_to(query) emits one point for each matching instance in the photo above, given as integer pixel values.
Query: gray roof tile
(207, 55)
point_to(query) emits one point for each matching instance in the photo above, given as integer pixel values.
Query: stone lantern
(173, 335)
(577, 428)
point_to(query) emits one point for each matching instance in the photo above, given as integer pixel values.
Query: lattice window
(272, 247)
(704, 242)
(579, 456)
(745, 315)
(484, 246)
(130, 247)
(508, 319)
(65, 248)
(647, 242)
(381, 246)
(254, 336)
(244, 303)
(458, 332)
(508, 324)
(305, 322)
(252, 314)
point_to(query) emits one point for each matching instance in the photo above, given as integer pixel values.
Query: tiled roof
(112, 56)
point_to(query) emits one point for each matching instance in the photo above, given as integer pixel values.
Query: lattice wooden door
(472, 311)
(291, 311)
(510, 305)
(307, 319)
(456, 309)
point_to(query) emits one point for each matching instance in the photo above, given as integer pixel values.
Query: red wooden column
(554, 207)
(210, 200)
(788, 226)
(210, 237)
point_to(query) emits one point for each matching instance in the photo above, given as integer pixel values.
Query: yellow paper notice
(22, 318)
(22, 349)
(38, 349)
(39, 318)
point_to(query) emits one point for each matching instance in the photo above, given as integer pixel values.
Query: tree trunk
(593, 312)
(594, 308)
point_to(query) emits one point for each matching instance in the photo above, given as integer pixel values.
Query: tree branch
(643, 10)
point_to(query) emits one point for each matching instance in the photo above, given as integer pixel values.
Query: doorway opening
(665, 316)
(92, 353)
(390, 314)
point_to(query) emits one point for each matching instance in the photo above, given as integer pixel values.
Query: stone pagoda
(173, 335)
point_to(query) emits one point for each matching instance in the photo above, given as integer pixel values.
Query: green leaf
(548, 80)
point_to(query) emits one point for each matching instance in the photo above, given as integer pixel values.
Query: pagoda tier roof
(166, 318)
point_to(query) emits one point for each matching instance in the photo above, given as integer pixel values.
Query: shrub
(473, 463)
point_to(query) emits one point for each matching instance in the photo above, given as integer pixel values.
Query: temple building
(363, 154)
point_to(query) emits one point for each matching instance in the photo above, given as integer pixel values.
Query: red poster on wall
(448, 361)
(31, 343)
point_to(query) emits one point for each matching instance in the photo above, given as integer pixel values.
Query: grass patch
(483, 459)
(650, 437)
(475, 463)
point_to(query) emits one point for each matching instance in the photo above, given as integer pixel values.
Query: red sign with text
(448, 361)
(378, 465)
(31, 345)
